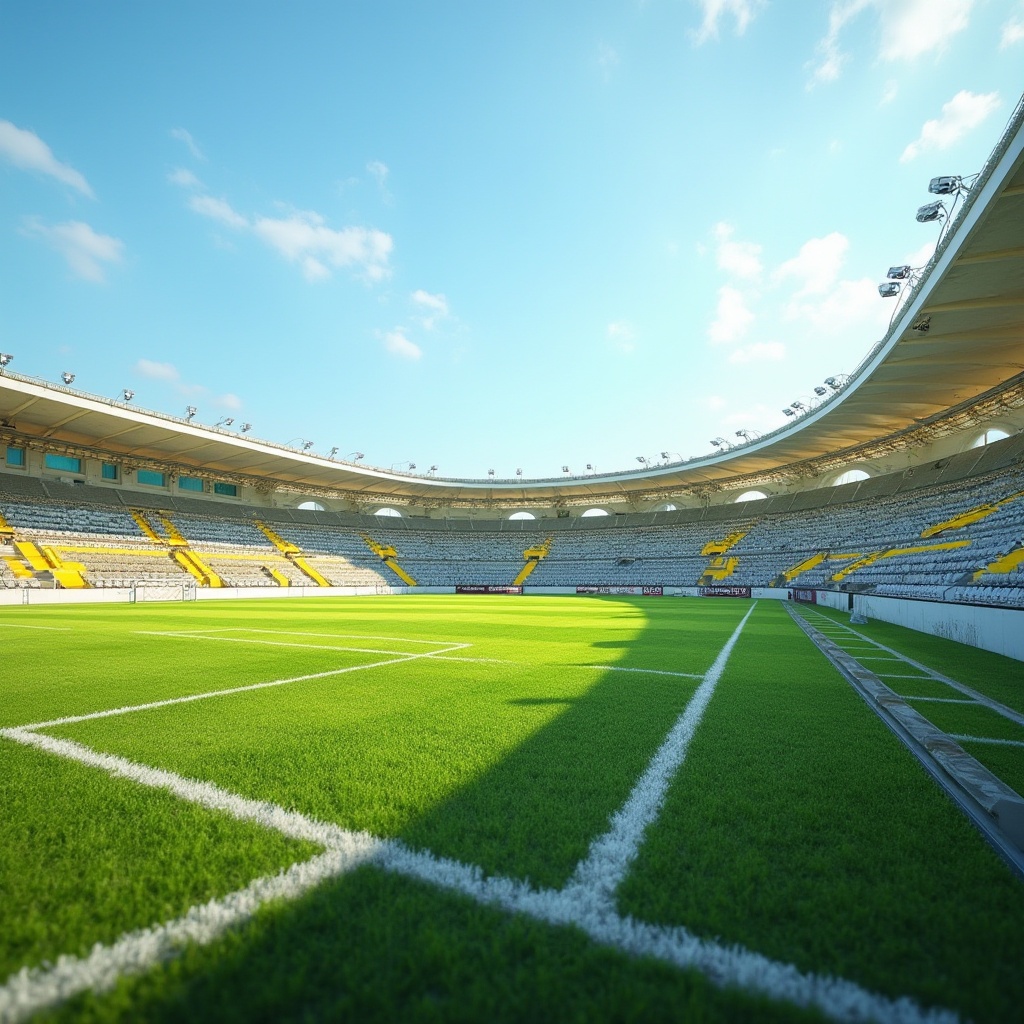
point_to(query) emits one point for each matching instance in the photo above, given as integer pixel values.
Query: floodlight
(433, 469)
(887, 289)
(819, 391)
(190, 411)
(5, 358)
(640, 458)
(716, 443)
(930, 212)
(355, 456)
(225, 422)
(945, 185)
(565, 469)
(797, 405)
(832, 382)
(306, 445)
(590, 467)
(68, 378)
(412, 466)
(923, 325)
(519, 472)
(332, 452)
(245, 428)
(490, 472)
(127, 394)
(788, 412)
(899, 273)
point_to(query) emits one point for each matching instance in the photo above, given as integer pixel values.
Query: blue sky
(479, 235)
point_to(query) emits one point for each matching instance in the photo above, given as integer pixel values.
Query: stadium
(734, 737)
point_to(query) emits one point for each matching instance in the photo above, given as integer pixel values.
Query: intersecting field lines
(587, 901)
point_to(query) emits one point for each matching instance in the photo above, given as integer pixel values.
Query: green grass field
(439, 804)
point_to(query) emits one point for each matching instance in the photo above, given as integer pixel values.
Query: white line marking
(35, 989)
(987, 739)
(942, 700)
(295, 632)
(309, 646)
(128, 709)
(646, 671)
(54, 629)
(597, 877)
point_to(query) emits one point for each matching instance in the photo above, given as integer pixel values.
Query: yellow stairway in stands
(294, 555)
(388, 556)
(175, 538)
(1009, 562)
(533, 557)
(719, 547)
(6, 532)
(788, 575)
(877, 556)
(720, 567)
(68, 576)
(143, 524)
(195, 566)
(972, 515)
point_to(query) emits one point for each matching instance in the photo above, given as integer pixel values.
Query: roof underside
(914, 385)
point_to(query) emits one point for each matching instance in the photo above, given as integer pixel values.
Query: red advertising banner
(637, 590)
(805, 596)
(724, 591)
(480, 588)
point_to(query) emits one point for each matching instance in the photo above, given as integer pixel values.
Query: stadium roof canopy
(954, 354)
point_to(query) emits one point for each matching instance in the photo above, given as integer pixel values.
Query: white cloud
(759, 352)
(1012, 31)
(713, 403)
(25, 150)
(228, 401)
(733, 317)
(816, 266)
(965, 111)
(168, 373)
(151, 370)
(184, 178)
(433, 307)
(304, 238)
(217, 209)
(84, 249)
(380, 172)
(607, 60)
(399, 345)
(912, 28)
(183, 136)
(742, 11)
(741, 259)
(848, 307)
(622, 336)
(908, 29)
(891, 91)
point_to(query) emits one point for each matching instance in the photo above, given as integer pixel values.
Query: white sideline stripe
(987, 739)
(895, 675)
(128, 709)
(287, 643)
(597, 877)
(34, 989)
(943, 700)
(294, 632)
(53, 629)
(646, 671)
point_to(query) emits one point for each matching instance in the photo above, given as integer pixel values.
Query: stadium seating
(940, 533)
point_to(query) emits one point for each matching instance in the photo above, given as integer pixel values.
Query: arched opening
(313, 506)
(665, 506)
(388, 511)
(851, 476)
(594, 512)
(522, 515)
(752, 496)
(990, 435)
